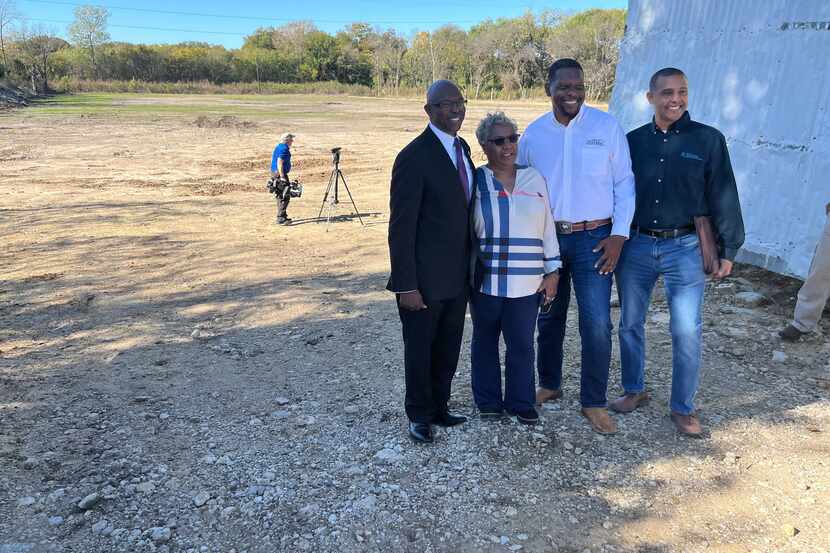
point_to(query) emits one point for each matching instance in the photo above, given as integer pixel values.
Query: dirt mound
(209, 186)
(11, 97)
(224, 122)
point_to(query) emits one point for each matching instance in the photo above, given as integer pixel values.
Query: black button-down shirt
(683, 173)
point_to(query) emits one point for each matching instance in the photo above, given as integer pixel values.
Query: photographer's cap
(286, 136)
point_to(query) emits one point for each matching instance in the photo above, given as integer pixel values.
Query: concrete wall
(759, 70)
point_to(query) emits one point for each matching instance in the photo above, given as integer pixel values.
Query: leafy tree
(320, 57)
(593, 38)
(35, 49)
(354, 61)
(484, 57)
(89, 30)
(508, 56)
(8, 14)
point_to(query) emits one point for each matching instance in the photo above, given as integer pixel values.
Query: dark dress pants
(432, 342)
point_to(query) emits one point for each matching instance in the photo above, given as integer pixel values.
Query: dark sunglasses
(513, 138)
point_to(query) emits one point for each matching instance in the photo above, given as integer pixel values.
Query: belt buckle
(565, 228)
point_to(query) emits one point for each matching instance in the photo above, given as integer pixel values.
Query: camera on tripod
(330, 198)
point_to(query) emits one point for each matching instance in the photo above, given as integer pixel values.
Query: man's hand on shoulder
(412, 301)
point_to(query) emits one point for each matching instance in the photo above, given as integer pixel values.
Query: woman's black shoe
(527, 417)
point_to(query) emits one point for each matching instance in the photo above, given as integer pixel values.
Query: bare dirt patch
(224, 122)
(179, 374)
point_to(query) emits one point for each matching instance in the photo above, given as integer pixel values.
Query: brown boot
(628, 402)
(545, 394)
(688, 425)
(601, 421)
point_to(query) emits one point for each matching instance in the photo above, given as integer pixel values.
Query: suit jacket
(429, 233)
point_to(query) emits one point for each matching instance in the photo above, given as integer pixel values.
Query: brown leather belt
(564, 227)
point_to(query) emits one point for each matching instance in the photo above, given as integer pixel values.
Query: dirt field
(177, 373)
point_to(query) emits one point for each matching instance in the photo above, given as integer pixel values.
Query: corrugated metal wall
(760, 72)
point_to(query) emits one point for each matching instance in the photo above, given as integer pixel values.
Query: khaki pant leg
(813, 295)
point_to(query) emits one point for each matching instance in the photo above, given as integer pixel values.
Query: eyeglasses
(513, 138)
(446, 105)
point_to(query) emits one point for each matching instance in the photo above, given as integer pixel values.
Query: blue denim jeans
(512, 318)
(593, 297)
(643, 260)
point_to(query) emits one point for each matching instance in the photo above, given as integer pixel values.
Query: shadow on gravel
(295, 429)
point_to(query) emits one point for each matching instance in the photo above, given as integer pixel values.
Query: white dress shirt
(586, 165)
(448, 141)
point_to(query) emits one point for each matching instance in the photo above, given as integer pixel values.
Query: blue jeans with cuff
(643, 260)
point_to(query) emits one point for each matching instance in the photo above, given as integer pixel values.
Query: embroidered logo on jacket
(688, 155)
(595, 142)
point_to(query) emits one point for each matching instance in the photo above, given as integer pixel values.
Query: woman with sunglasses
(516, 258)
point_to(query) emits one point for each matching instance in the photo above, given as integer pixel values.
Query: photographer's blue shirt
(281, 152)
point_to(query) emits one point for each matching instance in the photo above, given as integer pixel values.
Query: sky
(227, 23)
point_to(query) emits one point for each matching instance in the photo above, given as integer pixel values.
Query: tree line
(505, 58)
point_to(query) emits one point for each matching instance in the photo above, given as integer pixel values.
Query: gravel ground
(177, 375)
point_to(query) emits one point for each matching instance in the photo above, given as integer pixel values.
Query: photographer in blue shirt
(280, 167)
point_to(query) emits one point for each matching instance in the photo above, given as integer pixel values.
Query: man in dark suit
(429, 251)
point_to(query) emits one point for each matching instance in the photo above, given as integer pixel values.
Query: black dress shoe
(421, 432)
(448, 419)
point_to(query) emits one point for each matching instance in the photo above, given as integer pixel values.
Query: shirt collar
(677, 126)
(446, 139)
(575, 120)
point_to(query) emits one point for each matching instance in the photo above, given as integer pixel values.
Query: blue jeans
(643, 259)
(514, 319)
(593, 297)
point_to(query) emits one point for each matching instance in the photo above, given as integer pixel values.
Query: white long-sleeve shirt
(515, 233)
(587, 167)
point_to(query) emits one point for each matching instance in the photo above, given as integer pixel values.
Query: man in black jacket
(429, 251)
(682, 172)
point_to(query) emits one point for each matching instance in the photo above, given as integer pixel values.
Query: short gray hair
(491, 120)
(286, 137)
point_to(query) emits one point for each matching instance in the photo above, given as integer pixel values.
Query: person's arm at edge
(624, 189)
(724, 205)
(624, 204)
(405, 195)
(550, 245)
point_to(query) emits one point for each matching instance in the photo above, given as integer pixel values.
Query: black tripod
(330, 198)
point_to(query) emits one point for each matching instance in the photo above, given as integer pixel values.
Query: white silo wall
(759, 71)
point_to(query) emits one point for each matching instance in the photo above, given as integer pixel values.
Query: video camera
(291, 189)
(335, 155)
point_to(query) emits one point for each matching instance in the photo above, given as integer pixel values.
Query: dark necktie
(462, 169)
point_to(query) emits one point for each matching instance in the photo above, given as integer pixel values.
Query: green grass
(137, 104)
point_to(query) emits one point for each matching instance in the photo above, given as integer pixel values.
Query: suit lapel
(446, 165)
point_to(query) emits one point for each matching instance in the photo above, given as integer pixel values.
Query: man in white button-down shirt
(583, 154)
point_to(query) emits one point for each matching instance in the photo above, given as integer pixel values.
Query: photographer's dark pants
(282, 203)
(432, 343)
